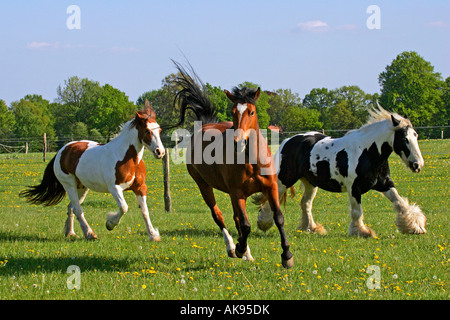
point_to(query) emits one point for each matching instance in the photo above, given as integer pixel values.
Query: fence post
(167, 198)
(26, 147)
(45, 146)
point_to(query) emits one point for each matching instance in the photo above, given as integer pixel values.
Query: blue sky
(278, 44)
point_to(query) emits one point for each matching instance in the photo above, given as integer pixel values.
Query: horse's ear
(230, 95)
(257, 93)
(149, 109)
(395, 122)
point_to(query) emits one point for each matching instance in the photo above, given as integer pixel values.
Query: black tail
(49, 192)
(193, 96)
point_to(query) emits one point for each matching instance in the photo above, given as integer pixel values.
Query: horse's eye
(252, 113)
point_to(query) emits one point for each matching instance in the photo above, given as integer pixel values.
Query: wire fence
(53, 144)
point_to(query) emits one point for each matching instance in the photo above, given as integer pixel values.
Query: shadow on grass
(26, 265)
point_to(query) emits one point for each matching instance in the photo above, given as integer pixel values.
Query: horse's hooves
(289, 263)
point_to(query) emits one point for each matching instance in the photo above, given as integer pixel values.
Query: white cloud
(315, 25)
(438, 24)
(43, 45)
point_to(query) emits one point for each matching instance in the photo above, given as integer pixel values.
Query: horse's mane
(247, 95)
(379, 114)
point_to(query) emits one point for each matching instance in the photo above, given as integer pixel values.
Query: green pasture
(191, 260)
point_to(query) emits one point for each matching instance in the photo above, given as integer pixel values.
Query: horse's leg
(75, 206)
(410, 218)
(243, 226)
(265, 217)
(68, 228)
(357, 226)
(208, 195)
(113, 218)
(153, 234)
(287, 258)
(308, 223)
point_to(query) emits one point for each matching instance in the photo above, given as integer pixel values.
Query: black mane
(246, 95)
(193, 96)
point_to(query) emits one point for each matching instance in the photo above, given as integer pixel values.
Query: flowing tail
(259, 199)
(193, 96)
(49, 192)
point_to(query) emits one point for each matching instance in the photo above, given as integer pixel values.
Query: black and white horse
(355, 163)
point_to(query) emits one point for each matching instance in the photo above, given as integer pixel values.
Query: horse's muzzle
(159, 153)
(414, 166)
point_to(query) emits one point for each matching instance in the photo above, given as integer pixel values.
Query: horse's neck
(263, 156)
(378, 132)
(128, 136)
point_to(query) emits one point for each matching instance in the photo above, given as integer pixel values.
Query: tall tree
(411, 87)
(31, 117)
(7, 120)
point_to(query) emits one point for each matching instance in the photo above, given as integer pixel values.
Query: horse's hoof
(239, 254)
(155, 238)
(232, 253)
(110, 226)
(287, 264)
(91, 236)
(72, 237)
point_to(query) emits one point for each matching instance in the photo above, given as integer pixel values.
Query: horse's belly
(92, 172)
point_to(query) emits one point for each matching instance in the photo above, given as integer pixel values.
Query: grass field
(191, 260)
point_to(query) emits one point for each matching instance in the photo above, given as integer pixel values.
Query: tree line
(85, 109)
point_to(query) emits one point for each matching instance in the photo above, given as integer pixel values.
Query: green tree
(320, 99)
(300, 119)
(111, 109)
(221, 102)
(74, 103)
(31, 117)
(7, 120)
(280, 101)
(411, 87)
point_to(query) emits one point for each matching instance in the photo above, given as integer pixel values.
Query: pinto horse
(239, 170)
(111, 168)
(355, 163)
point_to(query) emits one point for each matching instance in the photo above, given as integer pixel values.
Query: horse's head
(245, 120)
(149, 130)
(406, 144)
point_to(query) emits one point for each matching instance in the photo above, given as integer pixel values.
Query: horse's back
(84, 161)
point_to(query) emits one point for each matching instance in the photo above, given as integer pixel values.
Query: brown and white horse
(117, 166)
(239, 168)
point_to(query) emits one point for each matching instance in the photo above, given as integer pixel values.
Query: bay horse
(239, 179)
(354, 163)
(114, 167)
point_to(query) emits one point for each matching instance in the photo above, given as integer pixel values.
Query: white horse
(355, 163)
(117, 166)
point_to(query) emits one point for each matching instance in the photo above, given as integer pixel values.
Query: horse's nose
(159, 152)
(415, 166)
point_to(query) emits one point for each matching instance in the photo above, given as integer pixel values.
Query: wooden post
(167, 198)
(176, 144)
(26, 147)
(45, 145)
